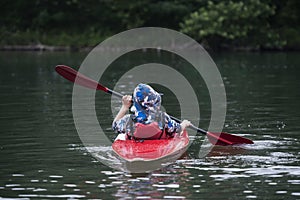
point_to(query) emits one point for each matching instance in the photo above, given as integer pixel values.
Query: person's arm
(173, 127)
(126, 103)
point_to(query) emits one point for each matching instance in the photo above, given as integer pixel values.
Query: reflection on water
(41, 155)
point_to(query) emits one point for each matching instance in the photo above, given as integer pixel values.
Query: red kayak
(150, 150)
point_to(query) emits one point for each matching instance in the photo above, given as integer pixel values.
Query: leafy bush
(227, 23)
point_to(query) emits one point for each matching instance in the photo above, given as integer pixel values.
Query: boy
(147, 120)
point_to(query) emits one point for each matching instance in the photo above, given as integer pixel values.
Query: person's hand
(127, 101)
(184, 124)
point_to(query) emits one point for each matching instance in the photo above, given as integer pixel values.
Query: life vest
(151, 131)
(147, 131)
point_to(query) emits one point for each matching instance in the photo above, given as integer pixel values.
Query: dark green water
(41, 155)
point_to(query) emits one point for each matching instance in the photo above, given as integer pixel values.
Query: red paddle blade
(226, 139)
(78, 78)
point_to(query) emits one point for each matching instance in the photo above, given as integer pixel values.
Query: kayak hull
(151, 150)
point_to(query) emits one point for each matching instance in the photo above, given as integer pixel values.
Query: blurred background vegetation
(228, 24)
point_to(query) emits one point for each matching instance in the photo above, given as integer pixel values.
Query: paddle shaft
(109, 91)
(191, 126)
(207, 133)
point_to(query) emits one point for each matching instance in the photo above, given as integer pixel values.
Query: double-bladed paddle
(80, 79)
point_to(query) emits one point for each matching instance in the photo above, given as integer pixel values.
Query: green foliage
(288, 22)
(242, 23)
(254, 24)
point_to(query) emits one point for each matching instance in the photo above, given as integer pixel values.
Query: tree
(233, 23)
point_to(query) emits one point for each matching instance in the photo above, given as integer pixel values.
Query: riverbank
(41, 47)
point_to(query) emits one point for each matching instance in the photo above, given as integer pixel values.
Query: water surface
(41, 155)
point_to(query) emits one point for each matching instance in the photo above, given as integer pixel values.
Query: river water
(42, 156)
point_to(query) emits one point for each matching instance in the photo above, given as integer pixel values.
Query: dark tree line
(254, 24)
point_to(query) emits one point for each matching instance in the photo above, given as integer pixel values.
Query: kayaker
(147, 121)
